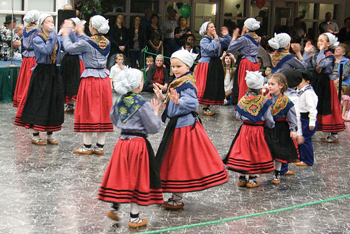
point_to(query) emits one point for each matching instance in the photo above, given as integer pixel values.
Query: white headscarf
(203, 28)
(31, 16)
(252, 24)
(100, 24)
(333, 40)
(280, 40)
(76, 20)
(185, 56)
(128, 80)
(41, 20)
(254, 80)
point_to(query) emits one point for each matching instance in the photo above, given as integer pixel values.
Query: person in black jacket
(137, 42)
(118, 36)
(157, 74)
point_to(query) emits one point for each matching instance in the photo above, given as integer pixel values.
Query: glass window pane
(234, 8)
(19, 18)
(40, 5)
(139, 6)
(7, 5)
(306, 10)
(324, 8)
(261, 15)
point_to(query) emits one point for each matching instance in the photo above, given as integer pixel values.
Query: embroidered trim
(128, 104)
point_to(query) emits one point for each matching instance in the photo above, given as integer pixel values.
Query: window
(139, 6)
(7, 5)
(48, 5)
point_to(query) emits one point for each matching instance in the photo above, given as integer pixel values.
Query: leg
(175, 202)
(112, 214)
(86, 149)
(276, 178)
(36, 138)
(252, 183)
(135, 220)
(101, 137)
(306, 150)
(50, 139)
(242, 180)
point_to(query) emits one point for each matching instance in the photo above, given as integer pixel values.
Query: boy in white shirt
(116, 69)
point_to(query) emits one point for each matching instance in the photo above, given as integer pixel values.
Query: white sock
(87, 137)
(177, 197)
(278, 165)
(101, 138)
(36, 135)
(134, 213)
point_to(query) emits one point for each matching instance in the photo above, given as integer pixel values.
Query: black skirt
(322, 88)
(281, 146)
(214, 89)
(70, 73)
(45, 102)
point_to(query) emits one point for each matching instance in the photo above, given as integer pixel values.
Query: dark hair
(281, 80)
(154, 15)
(346, 20)
(179, 21)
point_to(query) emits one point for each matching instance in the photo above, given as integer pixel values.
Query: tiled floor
(48, 189)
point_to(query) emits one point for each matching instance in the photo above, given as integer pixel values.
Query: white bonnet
(31, 16)
(280, 40)
(76, 21)
(254, 80)
(252, 24)
(41, 20)
(185, 56)
(203, 28)
(100, 24)
(333, 40)
(128, 80)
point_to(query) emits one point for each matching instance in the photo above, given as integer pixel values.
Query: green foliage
(90, 8)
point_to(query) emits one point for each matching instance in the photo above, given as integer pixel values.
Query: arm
(225, 40)
(292, 119)
(294, 62)
(307, 59)
(323, 61)
(209, 47)
(149, 119)
(188, 100)
(237, 45)
(311, 106)
(79, 46)
(45, 47)
(269, 122)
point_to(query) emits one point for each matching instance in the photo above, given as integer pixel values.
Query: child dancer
(281, 58)
(94, 99)
(280, 139)
(247, 46)
(116, 69)
(294, 78)
(308, 113)
(70, 69)
(249, 153)
(188, 159)
(41, 108)
(132, 175)
(29, 32)
(329, 117)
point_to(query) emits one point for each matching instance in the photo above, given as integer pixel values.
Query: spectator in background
(18, 32)
(146, 21)
(168, 28)
(118, 36)
(181, 31)
(154, 35)
(344, 33)
(137, 42)
(297, 30)
(157, 74)
(7, 37)
(328, 25)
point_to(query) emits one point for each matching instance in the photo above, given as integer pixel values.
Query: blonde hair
(120, 55)
(149, 59)
(281, 79)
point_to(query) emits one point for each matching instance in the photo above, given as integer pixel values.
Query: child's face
(303, 83)
(323, 42)
(178, 67)
(267, 71)
(227, 60)
(274, 86)
(48, 24)
(119, 60)
(149, 63)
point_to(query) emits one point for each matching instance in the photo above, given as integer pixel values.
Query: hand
(311, 128)
(300, 140)
(293, 135)
(330, 31)
(296, 47)
(336, 81)
(224, 30)
(156, 105)
(135, 38)
(174, 96)
(177, 35)
(122, 48)
(169, 30)
(16, 43)
(224, 54)
(235, 34)
(164, 87)
(244, 29)
(158, 92)
(308, 46)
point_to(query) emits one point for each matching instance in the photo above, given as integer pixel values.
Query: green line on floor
(245, 216)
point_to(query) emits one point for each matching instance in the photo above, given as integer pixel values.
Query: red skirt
(68, 99)
(25, 73)
(82, 67)
(250, 153)
(191, 162)
(333, 122)
(127, 175)
(245, 66)
(201, 83)
(94, 102)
